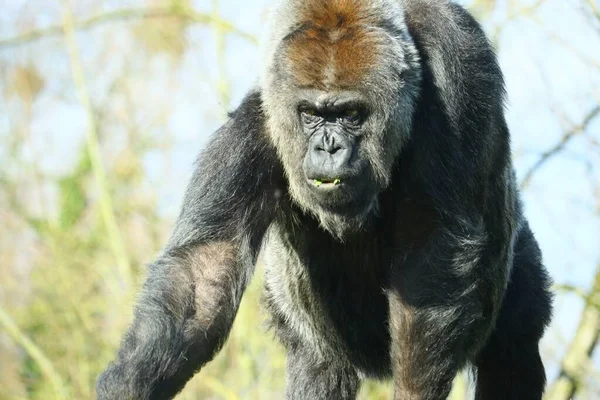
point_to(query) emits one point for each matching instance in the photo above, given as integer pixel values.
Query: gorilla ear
(460, 71)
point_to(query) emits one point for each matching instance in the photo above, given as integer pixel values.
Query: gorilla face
(339, 96)
(337, 178)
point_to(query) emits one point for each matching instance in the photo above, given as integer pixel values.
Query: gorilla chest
(330, 296)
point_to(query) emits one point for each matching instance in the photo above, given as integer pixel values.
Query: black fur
(231, 199)
(446, 273)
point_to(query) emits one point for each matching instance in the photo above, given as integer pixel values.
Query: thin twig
(595, 9)
(567, 44)
(574, 364)
(222, 83)
(105, 202)
(512, 14)
(124, 14)
(36, 354)
(581, 293)
(560, 145)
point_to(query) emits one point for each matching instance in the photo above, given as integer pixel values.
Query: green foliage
(73, 200)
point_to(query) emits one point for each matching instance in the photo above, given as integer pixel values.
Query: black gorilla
(372, 164)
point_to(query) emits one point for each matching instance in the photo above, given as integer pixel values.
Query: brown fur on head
(332, 47)
(327, 49)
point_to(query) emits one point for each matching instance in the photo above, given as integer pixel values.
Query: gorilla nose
(332, 153)
(328, 158)
(328, 144)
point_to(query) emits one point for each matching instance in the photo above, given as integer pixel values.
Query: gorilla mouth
(325, 184)
(320, 182)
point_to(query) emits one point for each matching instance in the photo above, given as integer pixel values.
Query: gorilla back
(372, 164)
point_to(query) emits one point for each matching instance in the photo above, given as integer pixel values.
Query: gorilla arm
(446, 296)
(193, 290)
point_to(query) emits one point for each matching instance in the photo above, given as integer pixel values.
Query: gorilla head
(339, 87)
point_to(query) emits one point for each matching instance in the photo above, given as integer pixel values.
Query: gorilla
(371, 165)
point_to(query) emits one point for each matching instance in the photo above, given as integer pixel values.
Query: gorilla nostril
(328, 145)
(329, 149)
(334, 150)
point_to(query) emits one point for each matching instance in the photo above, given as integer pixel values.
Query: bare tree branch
(222, 83)
(184, 13)
(567, 44)
(574, 365)
(577, 364)
(514, 12)
(107, 211)
(560, 145)
(594, 7)
(582, 293)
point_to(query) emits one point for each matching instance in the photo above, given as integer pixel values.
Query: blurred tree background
(103, 108)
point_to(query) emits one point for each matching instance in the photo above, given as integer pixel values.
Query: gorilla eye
(309, 115)
(352, 116)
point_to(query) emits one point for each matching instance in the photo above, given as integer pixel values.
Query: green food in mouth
(319, 182)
